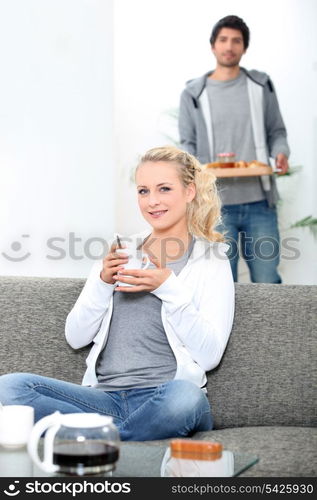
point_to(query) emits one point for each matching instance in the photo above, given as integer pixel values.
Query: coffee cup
(137, 260)
(16, 423)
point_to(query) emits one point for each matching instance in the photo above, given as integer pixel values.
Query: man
(231, 109)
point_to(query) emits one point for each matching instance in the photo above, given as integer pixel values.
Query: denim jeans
(259, 239)
(174, 409)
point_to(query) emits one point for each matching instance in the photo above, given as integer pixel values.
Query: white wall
(56, 134)
(82, 95)
(159, 45)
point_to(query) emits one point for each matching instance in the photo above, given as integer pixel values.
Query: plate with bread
(240, 169)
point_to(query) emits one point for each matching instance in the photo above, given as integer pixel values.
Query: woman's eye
(144, 191)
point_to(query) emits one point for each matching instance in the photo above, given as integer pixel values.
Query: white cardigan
(197, 312)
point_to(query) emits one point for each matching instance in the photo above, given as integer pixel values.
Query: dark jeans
(259, 239)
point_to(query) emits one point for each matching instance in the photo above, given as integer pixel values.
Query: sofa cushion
(267, 375)
(32, 323)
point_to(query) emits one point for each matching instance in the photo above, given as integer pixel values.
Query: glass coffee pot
(75, 443)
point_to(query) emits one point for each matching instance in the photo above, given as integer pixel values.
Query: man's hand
(142, 279)
(281, 163)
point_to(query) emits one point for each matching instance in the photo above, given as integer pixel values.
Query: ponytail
(204, 210)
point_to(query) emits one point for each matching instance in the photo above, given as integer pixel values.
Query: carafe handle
(51, 424)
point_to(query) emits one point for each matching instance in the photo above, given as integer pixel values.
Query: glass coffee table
(136, 460)
(145, 460)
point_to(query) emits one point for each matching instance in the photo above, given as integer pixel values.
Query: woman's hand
(142, 279)
(112, 264)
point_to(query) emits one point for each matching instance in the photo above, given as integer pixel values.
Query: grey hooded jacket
(270, 137)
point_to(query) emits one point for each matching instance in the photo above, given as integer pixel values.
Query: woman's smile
(157, 213)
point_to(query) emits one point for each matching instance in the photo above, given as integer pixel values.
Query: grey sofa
(263, 393)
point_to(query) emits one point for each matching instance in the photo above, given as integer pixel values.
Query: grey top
(193, 131)
(230, 110)
(137, 353)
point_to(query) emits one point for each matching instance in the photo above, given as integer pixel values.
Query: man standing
(231, 109)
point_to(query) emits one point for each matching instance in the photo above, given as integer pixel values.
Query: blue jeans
(259, 239)
(177, 408)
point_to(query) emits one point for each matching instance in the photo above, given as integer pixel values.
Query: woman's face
(162, 197)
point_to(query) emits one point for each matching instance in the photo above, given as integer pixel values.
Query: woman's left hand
(142, 279)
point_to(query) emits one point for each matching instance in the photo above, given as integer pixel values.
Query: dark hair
(235, 23)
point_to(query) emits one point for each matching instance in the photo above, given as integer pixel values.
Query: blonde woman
(154, 341)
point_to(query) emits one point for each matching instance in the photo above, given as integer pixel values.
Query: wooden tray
(241, 172)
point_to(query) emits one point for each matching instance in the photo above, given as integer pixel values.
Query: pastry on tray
(238, 164)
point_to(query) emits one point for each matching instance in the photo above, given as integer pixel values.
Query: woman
(153, 341)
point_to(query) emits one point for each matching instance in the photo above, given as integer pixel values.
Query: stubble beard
(229, 64)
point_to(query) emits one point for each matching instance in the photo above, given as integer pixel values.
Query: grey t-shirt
(137, 352)
(232, 132)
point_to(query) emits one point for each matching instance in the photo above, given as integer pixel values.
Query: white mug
(136, 261)
(16, 423)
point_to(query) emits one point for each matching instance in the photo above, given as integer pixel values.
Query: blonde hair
(203, 213)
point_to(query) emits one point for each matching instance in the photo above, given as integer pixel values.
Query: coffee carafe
(75, 444)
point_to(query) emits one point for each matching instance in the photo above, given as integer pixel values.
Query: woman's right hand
(112, 263)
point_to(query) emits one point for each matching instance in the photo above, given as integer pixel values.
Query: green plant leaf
(173, 113)
(308, 221)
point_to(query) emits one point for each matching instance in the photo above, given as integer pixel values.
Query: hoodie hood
(197, 85)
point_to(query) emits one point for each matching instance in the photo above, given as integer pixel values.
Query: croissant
(256, 163)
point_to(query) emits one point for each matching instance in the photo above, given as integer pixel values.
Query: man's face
(228, 47)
